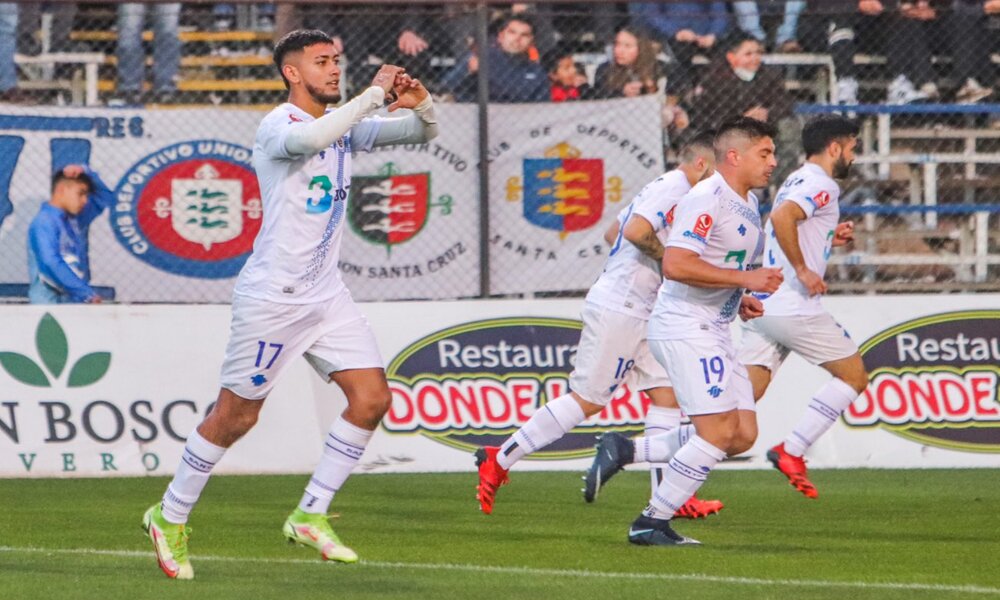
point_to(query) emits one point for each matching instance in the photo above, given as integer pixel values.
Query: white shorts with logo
(612, 350)
(707, 377)
(817, 338)
(266, 336)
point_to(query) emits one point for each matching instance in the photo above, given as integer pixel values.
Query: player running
(802, 229)
(612, 344)
(289, 298)
(715, 237)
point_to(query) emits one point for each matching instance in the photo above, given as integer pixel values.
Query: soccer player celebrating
(612, 343)
(716, 236)
(289, 298)
(802, 229)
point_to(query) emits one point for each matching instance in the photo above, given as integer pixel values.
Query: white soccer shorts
(266, 336)
(706, 376)
(817, 338)
(612, 350)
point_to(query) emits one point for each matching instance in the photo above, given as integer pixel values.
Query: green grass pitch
(871, 534)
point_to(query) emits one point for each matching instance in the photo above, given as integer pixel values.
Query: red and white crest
(703, 224)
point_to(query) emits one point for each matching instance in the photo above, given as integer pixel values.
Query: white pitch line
(530, 571)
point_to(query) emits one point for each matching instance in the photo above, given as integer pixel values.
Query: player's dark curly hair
(295, 41)
(820, 132)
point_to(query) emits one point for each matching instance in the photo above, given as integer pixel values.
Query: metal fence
(163, 99)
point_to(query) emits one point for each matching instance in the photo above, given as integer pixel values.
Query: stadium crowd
(705, 57)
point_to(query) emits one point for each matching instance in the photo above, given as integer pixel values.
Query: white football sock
(687, 470)
(824, 409)
(200, 455)
(661, 448)
(660, 420)
(548, 424)
(342, 450)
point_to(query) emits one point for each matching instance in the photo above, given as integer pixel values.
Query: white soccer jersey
(630, 278)
(724, 230)
(294, 259)
(819, 197)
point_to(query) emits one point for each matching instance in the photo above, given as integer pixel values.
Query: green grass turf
(915, 528)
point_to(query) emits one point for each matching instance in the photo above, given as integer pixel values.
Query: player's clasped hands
(765, 280)
(386, 77)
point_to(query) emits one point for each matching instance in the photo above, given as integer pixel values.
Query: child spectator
(568, 80)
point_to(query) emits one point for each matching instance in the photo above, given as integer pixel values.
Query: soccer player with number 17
(289, 298)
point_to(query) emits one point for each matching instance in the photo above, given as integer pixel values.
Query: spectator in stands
(830, 26)
(741, 85)
(8, 47)
(30, 23)
(633, 69)
(513, 75)
(971, 66)
(568, 79)
(58, 263)
(748, 18)
(132, 58)
(685, 28)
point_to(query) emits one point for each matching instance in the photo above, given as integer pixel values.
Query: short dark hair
(820, 132)
(704, 140)
(561, 51)
(523, 18)
(737, 39)
(746, 127)
(295, 41)
(59, 176)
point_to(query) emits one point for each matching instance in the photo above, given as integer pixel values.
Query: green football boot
(314, 530)
(170, 541)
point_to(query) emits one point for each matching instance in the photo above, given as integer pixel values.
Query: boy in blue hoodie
(58, 265)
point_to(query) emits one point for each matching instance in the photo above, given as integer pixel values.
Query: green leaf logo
(89, 369)
(23, 369)
(51, 343)
(53, 349)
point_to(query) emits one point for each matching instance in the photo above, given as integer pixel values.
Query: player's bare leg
(230, 419)
(368, 399)
(548, 424)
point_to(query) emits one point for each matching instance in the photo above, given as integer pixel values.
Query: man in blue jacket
(58, 266)
(515, 75)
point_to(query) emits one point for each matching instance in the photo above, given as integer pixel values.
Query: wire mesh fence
(553, 115)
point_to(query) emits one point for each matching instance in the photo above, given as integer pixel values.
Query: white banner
(156, 244)
(559, 174)
(112, 390)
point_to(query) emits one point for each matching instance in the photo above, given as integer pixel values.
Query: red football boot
(696, 508)
(794, 468)
(491, 477)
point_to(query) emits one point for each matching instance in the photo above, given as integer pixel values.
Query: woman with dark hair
(633, 69)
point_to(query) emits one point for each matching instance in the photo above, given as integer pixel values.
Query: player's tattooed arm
(785, 221)
(640, 233)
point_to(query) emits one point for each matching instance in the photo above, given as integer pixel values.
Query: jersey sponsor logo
(934, 381)
(820, 200)
(563, 192)
(474, 383)
(703, 224)
(192, 208)
(391, 208)
(670, 216)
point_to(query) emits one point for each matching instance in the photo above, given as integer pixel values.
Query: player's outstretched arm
(785, 221)
(310, 138)
(687, 267)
